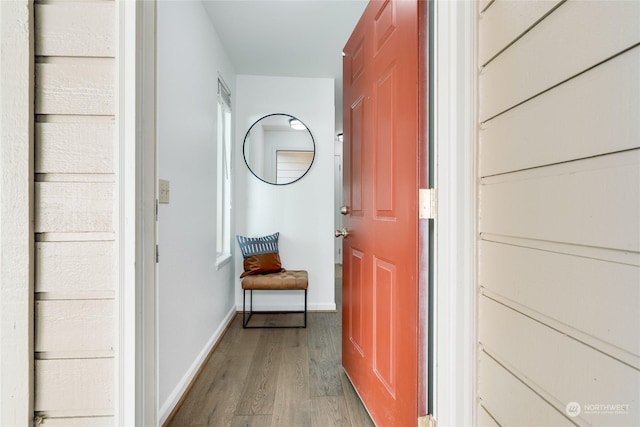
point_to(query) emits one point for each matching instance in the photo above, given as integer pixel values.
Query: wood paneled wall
(74, 212)
(559, 213)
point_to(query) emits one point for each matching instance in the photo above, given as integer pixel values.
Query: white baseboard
(181, 388)
(322, 307)
(290, 307)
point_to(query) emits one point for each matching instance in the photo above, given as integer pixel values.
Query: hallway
(275, 377)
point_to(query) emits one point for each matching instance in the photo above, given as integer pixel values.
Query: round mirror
(279, 149)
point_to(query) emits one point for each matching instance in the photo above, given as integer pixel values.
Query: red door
(381, 160)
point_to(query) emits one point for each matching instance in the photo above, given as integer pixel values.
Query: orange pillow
(262, 264)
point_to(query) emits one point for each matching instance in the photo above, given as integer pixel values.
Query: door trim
(137, 368)
(16, 219)
(455, 100)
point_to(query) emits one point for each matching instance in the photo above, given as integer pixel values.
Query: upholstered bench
(285, 280)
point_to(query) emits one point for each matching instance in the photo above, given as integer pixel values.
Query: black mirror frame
(244, 148)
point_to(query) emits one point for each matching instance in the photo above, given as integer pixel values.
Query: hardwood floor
(275, 377)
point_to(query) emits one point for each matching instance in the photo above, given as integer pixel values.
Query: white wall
(303, 211)
(195, 300)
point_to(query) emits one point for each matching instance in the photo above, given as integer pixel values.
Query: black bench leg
(246, 319)
(245, 322)
(244, 307)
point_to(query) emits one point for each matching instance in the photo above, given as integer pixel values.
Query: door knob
(344, 210)
(342, 233)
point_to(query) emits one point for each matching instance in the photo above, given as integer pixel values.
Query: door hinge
(428, 201)
(157, 254)
(156, 210)
(427, 421)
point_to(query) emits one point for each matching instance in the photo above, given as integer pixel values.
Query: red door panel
(356, 322)
(384, 173)
(355, 176)
(384, 299)
(380, 280)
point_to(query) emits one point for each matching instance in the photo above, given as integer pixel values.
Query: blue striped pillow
(258, 245)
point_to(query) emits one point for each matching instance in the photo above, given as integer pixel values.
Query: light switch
(164, 191)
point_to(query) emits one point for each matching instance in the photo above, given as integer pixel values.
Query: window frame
(223, 175)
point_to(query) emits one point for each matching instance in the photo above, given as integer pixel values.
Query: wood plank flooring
(275, 377)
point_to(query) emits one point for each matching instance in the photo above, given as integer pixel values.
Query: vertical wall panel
(16, 222)
(576, 36)
(74, 386)
(74, 268)
(555, 366)
(74, 147)
(521, 405)
(75, 326)
(514, 19)
(74, 207)
(105, 421)
(75, 29)
(559, 202)
(594, 114)
(581, 202)
(484, 419)
(71, 86)
(75, 317)
(601, 286)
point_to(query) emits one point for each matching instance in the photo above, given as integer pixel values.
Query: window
(223, 168)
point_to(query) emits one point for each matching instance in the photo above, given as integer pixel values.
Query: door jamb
(137, 367)
(455, 100)
(425, 226)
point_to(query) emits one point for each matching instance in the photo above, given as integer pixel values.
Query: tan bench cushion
(290, 279)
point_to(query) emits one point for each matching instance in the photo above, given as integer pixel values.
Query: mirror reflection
(279, 149)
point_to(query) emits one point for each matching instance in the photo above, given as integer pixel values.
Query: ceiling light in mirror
(296, 124)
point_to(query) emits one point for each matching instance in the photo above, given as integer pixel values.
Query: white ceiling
(292, 38)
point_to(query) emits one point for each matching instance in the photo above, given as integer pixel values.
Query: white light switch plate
(164, 191)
